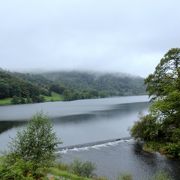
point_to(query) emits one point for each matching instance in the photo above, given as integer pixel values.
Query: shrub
(18, 170)
(125, 177)
(62, 166)
(37, 142)
(176, 135)
(16, 100)
(32, 150)
(173, 149)
(161, 176)
(84, 169)
(146, 128)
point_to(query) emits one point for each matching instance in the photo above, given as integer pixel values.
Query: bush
(173, 149)
(161, 176)
(146, 128)
(16, 169)
(31, 150)
(125, 177)
(84, 169)
(62, 166)
(176, 135)
(36, 143)
(16, 100)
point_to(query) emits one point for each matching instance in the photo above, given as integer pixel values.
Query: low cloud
(103, 35)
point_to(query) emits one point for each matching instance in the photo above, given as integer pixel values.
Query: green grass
(152, 147)
(54, 97)
(5, 101)
(125, 176)
(161, 176)
(60, 173)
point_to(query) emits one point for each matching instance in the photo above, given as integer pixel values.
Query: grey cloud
(117, 35)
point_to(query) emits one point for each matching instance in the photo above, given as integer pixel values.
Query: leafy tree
(4, 89)
(36, 143)
(57, 88)
(31, 152)
(166, 77)
(14, 86)
(163, 122)
(16, 100)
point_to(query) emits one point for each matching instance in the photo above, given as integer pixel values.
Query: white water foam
(97, 147)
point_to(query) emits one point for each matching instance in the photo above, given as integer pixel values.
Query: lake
(97, 122)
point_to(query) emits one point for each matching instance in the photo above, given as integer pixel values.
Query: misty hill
(28, 88)
(24, 88)
(104, 84)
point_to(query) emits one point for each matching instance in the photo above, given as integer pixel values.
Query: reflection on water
(61, 109)
(89, 127)
(6, 125)
(99, 125)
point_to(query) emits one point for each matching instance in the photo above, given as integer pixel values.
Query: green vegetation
(83, 169)
(160, 129)
(19, 88)
(54, 97)
(31, 156)
(89, 85)
(5, 101)
(22, 170)
(125, 177)
(33, 149)
(161, 176)
(36, 143)
(76, 171)
(65, 174)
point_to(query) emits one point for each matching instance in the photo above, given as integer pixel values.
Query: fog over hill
(112, 84)
(71, 85)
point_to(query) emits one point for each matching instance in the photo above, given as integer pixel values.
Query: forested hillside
(21, 88)
(98, 84)
(160, 129)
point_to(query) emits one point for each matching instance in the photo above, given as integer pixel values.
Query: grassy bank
(54, 97)
(66, 172)
(22, 170)
(171, 150)
(6, 101)
(55, 173)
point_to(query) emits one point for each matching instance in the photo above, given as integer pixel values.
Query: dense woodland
(29, 88)
(20, 89)
(160, 129)
(88, 85)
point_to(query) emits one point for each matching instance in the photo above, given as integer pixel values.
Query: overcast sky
(99, 35)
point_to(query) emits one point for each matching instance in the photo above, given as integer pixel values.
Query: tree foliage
(29, 88)
(19, 89)
(32, 149)
(163, 122)
(37, 142)
(81, 85)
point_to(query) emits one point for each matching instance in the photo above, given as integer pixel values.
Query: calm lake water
(86, 121)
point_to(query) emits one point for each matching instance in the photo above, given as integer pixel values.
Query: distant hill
(27, 88)
(24, 88)
(106, 84)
